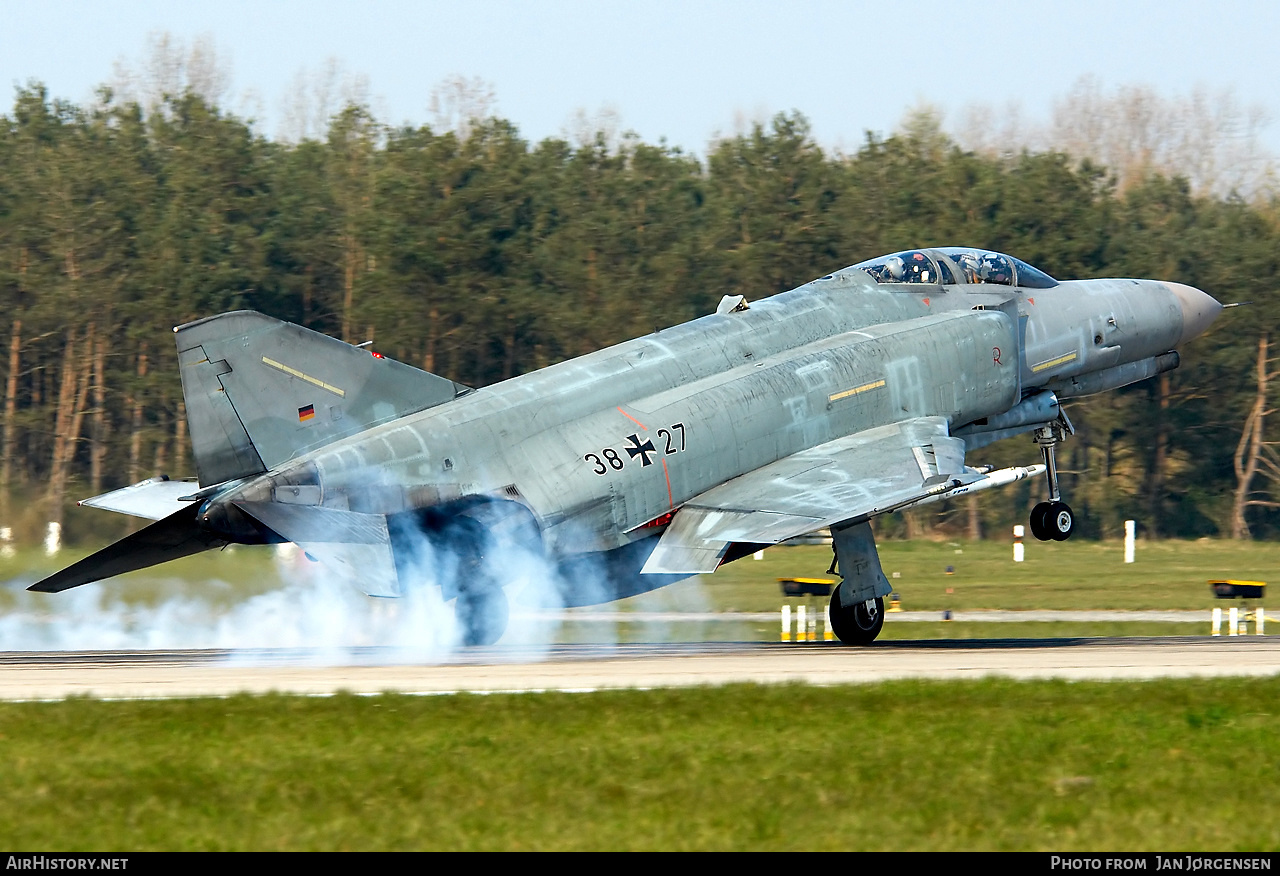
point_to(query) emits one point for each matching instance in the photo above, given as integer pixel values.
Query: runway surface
(169, 674)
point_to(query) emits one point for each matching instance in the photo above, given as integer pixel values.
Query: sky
(679, 71)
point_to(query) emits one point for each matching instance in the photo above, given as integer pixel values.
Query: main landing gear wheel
(858, 624)
(483, 615)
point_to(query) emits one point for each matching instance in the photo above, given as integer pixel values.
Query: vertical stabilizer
(260, 392)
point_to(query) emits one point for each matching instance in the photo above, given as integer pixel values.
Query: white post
(1233, 621)
(6, 542)
(1217, 622)
(53, 539)
(801, 625)
(1128, 541)
(829, 635)
(1260, 622)
(812, 634)
(1017, 543)
(786, 623)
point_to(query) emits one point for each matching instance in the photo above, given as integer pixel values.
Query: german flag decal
(306, 413)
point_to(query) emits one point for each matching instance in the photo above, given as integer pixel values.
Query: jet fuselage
(823, 407)
(597, 447)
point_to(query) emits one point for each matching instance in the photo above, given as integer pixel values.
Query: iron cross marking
(641, 450)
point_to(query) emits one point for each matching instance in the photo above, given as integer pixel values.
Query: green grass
(1168, 765)
(995, 764)
(1075, 575)
(222, 577)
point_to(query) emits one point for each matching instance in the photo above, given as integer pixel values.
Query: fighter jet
(852, 396)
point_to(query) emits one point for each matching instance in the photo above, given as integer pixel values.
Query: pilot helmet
(918, 268)
(894, 266)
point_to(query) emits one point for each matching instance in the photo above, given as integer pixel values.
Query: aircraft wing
(858, 476)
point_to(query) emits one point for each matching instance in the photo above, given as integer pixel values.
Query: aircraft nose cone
(1198, 310)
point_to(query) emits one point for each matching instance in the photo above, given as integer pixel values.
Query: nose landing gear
(1052, 520)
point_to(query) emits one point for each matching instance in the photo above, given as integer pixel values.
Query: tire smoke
(314, 611)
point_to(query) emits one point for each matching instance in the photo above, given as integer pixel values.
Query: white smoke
(315, 612)
(686, 601)
(312, 611)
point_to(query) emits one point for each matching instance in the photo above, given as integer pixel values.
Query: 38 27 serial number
(609, 459)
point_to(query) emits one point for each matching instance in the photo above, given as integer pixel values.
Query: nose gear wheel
(1053, 520)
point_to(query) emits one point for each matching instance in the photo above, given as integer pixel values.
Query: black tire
(483, 615)
(1059, 521)
(1040, 527)
(856, 625)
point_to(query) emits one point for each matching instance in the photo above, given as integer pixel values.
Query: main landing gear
(860, 623)
(462, 548)
(481, 608)
(482, 613)
(1052, 520)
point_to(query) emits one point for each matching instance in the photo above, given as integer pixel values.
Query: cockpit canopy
(950, 265)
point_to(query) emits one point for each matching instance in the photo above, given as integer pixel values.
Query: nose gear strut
(1053, 519)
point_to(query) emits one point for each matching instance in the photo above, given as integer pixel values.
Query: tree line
(478, 255)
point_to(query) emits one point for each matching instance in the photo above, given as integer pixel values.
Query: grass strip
(993, 764)
(1073, 575)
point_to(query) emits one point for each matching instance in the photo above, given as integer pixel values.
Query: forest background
(460, 248)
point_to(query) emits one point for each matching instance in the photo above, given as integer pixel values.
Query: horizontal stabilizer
(169, 539)
(153, 499)
(356, 547)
